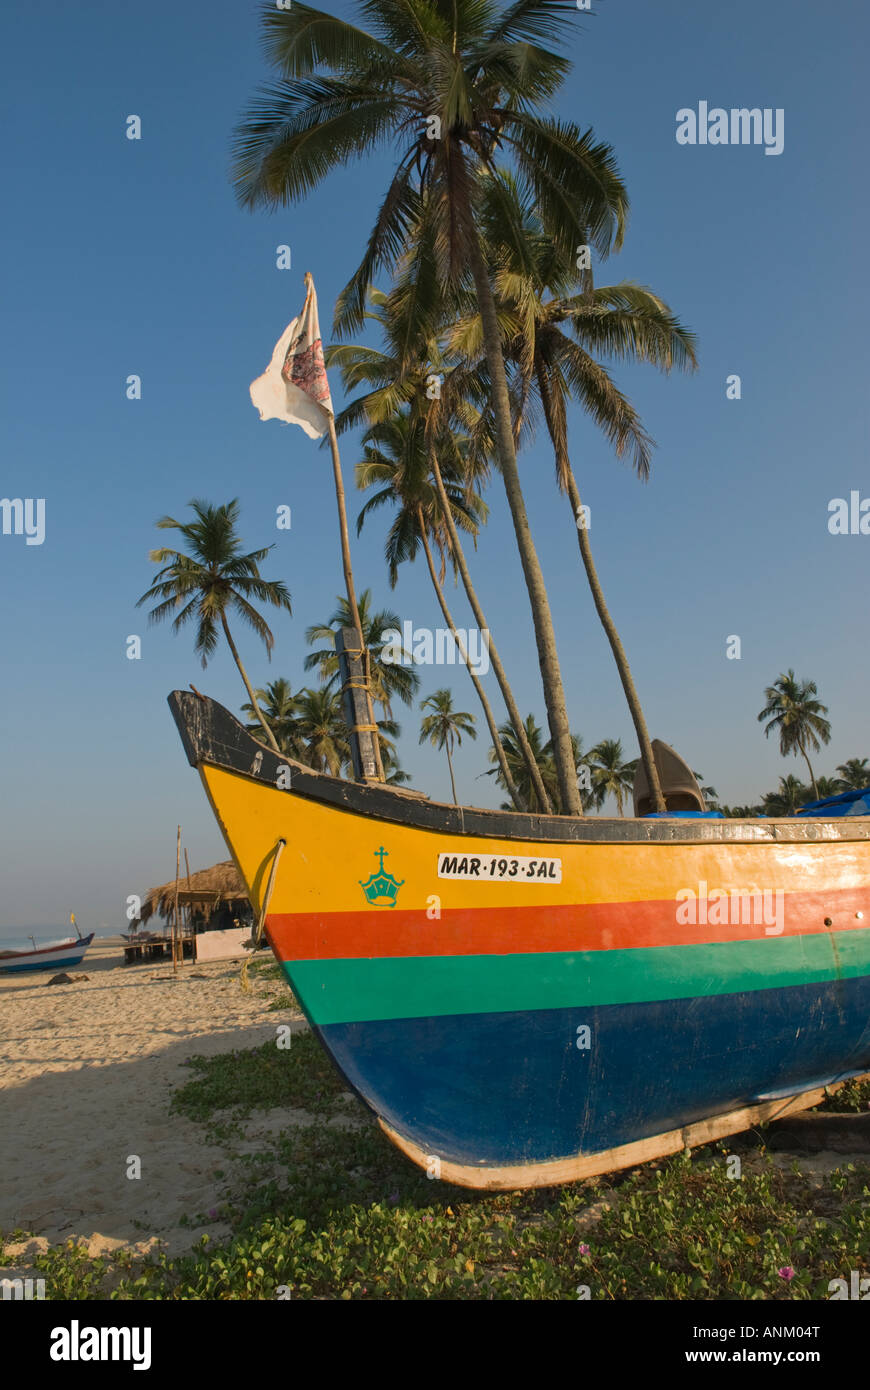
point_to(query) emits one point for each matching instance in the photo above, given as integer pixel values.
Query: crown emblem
(381, 888)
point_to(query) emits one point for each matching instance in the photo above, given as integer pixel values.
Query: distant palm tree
(281, 707)
(793, 710)
(445, 726)
(321, 731)
(854, 775)
(827, 786)
(610, 773)
(212, 577)
(709, 794)
(786, 801)
(740, 812)
(517, 761)
(387, 678)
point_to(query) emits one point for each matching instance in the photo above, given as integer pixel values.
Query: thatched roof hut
(219, 887)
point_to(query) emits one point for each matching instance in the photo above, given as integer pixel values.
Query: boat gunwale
(213, 736)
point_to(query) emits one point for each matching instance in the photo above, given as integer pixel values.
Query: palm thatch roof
(209, 888)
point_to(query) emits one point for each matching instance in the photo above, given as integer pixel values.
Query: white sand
(87, 1072)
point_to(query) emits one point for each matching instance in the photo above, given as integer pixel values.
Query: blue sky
(125, 257)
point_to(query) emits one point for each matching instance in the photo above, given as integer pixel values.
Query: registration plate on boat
(484, 867)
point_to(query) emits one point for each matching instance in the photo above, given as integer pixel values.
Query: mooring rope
(257, 933)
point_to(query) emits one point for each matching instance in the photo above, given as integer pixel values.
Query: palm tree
(786, 801)
(397, 375)
(709, 794)
(534, 287)
(793, 709)
(610, 774)
(854, 775)
(740, 812)
(321, 731)
(545, 766)
(211, 578)
(280, 707)
(827, 786)
(517, 761)
(388, 678)
(452, 85)
(445, 726)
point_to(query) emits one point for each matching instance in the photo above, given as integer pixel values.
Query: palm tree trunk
(348, 582)
(252, 697)
(810, 766)
(450, 765)
(564, 470)
(487, 710)
(628, 686)
(498, 669)
(545, 637)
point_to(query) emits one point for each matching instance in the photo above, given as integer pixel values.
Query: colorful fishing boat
(524, 999)
(57, 955)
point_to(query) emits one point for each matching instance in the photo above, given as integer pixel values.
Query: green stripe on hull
(357, 991)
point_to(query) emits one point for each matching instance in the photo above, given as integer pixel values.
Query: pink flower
(786, 1272)
(584, 1249)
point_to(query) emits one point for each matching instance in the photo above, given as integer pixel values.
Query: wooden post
(357, 705)
(190, 910)
(175, 914)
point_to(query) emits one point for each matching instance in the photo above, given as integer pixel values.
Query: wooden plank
(565, 1170)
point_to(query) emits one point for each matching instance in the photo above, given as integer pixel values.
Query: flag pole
(348, 572)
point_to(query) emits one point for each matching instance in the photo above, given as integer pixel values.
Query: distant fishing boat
(55, 956)
(525, 999)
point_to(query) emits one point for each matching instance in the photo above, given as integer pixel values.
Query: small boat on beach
(54, 956)
(524, 999)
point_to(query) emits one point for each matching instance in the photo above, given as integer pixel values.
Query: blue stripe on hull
(510, 1088)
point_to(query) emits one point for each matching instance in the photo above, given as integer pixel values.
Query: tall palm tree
(854, 775)
(445, 726)
(610, 773)
(535, 287)
(281, 707)
(798, 716)
(787, 799)
(395, 456)
(453, 85)
(397, 375)
(210, 579)
(388, 678)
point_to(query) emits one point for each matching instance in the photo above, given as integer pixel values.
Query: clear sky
(125, 257)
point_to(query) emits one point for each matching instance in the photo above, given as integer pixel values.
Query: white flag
(294, 387)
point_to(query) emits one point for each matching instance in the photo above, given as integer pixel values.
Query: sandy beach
(88, 1072)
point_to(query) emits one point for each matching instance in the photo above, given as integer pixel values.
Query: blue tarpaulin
(847, 804)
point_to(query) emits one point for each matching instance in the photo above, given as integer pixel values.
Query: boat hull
(58, 957)
(519, 1004)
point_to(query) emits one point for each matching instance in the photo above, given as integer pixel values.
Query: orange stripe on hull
(395, 932)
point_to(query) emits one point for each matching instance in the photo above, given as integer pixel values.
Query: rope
(257, 933)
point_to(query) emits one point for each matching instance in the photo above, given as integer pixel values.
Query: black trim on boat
(212, 735)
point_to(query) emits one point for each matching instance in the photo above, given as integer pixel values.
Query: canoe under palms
(527, 999)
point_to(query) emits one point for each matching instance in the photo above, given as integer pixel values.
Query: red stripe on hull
(520, 930)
